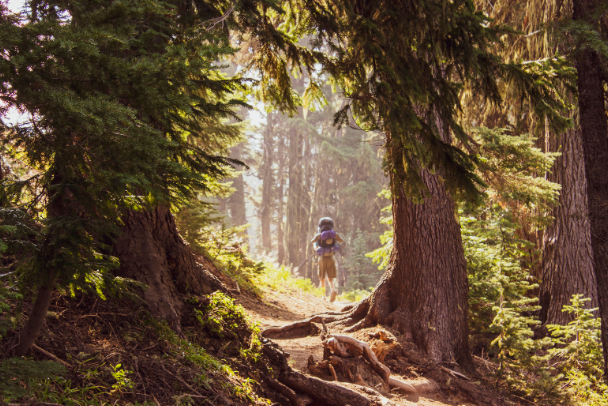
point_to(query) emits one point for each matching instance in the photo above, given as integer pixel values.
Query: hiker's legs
(322, 275)
(331, 284)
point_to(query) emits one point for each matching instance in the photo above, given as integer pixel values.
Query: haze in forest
(165, 166)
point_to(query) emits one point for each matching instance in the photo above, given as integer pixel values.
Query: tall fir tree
(402, 66)
(589, 27)
(127, 106)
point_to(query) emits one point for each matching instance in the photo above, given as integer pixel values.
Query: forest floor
(112, 352)
(436, 385)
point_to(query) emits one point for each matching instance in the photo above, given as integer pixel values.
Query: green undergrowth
(227, 321)
(10, 305)
(563, 368)
(280, 279)
(355, 295)
(19, 377)
(129, 352)
(227, 248)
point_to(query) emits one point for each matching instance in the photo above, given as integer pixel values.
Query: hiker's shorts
(327, 267)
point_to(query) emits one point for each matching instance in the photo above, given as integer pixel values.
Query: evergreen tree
(127, 108)
(402, 66)
(567, 259)
(589, 29)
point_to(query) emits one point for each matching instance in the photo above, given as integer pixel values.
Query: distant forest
(307, 169)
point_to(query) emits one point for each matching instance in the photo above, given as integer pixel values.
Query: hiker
(326, 246)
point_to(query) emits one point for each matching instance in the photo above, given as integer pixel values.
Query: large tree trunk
(423, 293)
(151, 251)
(567, 264)
(594, 129)
(267, 182)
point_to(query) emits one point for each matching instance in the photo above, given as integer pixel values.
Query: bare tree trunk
(567, 264)
(423, 293)
(594, 132)
(36, 319)
(267, 182)
(281, 204)
(236, 202)
(311, 228)
(151, 251)
(58, 203)
(294, 227)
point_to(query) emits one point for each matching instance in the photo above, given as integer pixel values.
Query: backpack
(327, 245)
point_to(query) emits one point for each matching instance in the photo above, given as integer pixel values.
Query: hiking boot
(333, 296)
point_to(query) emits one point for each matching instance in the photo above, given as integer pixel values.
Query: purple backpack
(327, 244)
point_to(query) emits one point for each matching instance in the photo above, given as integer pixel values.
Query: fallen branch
(51, 356)
(454, 373)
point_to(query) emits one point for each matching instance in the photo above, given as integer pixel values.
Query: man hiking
(326, 245)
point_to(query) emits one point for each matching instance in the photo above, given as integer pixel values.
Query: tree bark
(151, 251)
(423, 293)
(281, 204)
(594, 132)
(267, 182)
(58, 203)
(36, 319)
(295, 222)
(236, 202)
(567, 263)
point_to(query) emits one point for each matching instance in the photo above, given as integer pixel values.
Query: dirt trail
(280, 308)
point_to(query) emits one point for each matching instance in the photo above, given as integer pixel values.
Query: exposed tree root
(354, 359)
(299, 328)
(356, 347)
(302, 328)
(329, 393)
(284, 390)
